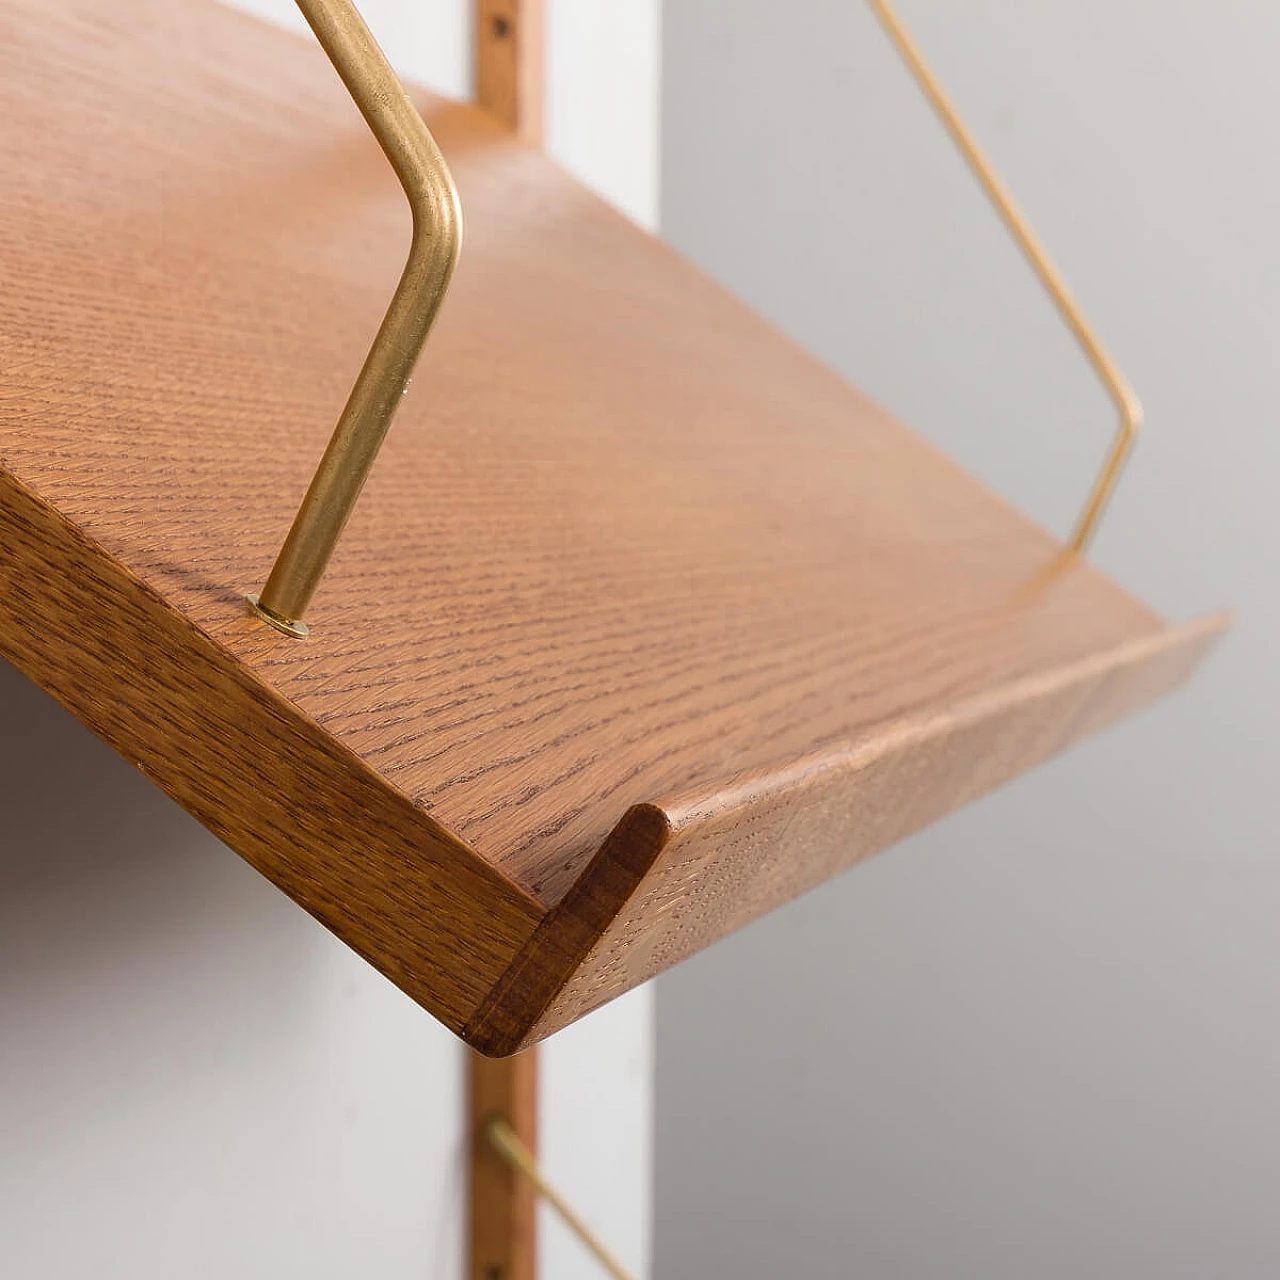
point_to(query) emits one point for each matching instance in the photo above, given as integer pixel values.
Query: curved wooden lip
(522, 1007)
(499, 968)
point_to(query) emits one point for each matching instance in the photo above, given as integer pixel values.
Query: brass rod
(1122, 395)
(382, 382)
(520, 1158)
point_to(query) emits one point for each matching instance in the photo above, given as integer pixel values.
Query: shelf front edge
(421, 906)
(677, 875)
(404, 893)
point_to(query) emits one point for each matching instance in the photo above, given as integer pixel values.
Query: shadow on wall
(196, 1079)
(111, 899)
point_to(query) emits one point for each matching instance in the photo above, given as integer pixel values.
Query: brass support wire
(382, 382)
(1126, 402)
(505, 1142)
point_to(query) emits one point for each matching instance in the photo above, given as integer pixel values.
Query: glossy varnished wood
(646, 621)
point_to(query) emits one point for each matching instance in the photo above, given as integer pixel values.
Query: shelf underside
(645, 623)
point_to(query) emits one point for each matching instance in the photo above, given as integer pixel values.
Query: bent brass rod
(1122, 396)
(503, 1138)
(384, 378)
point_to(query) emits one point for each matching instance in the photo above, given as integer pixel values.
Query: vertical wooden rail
(509, 62)
(503, 1228)
(503, 1205)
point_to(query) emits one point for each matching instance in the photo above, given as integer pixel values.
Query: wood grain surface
(645, 622)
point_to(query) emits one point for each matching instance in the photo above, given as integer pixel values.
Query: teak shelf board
(645, 622)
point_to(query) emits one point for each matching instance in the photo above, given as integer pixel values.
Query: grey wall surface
(1041, 1039)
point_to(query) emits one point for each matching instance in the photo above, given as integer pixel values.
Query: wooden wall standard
(509, 64)
(502, 1235)
(502, 1238)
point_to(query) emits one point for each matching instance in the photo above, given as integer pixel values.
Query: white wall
(196, 1079)
(603, 83)
(1040, 1040)
(429, 41)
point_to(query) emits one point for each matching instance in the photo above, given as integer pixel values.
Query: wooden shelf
(646, 622)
